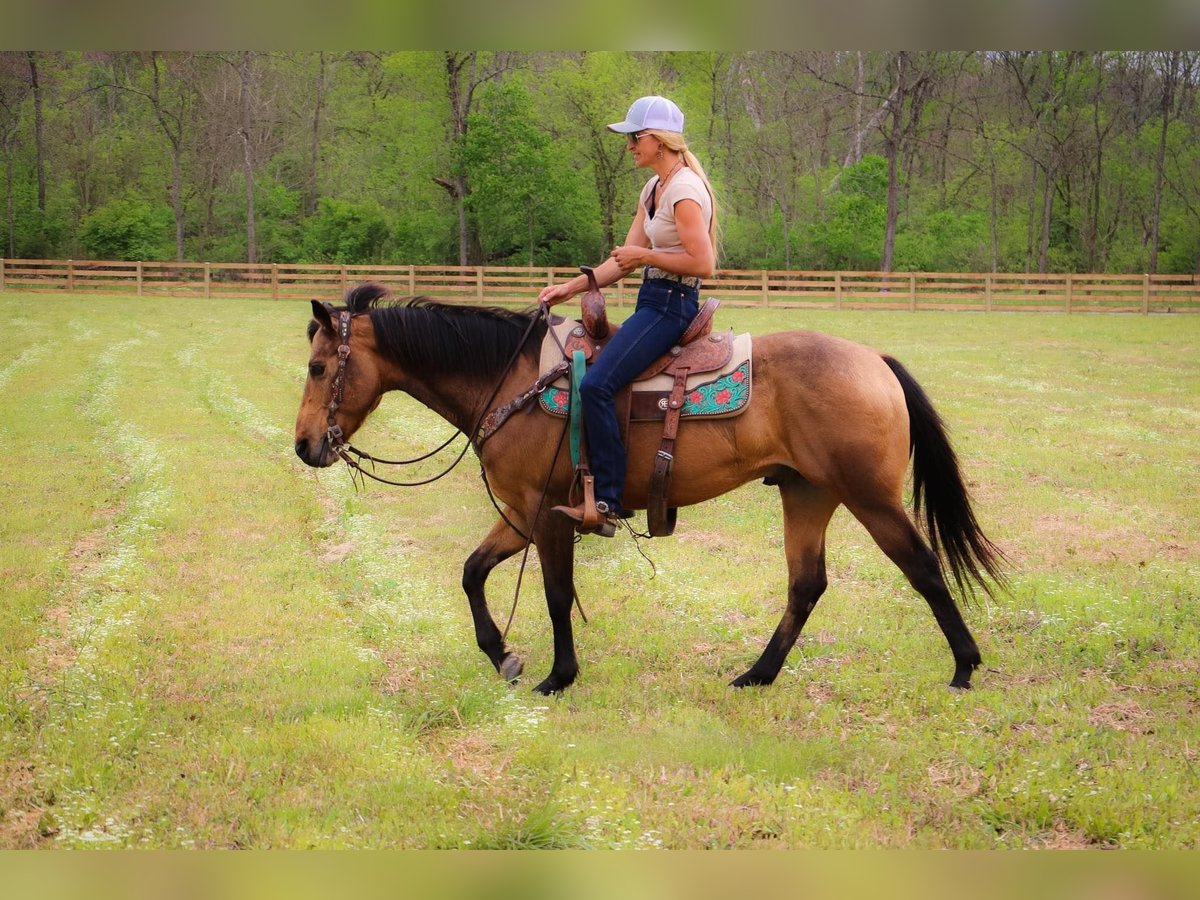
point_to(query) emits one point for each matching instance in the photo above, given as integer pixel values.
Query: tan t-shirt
(683, 185)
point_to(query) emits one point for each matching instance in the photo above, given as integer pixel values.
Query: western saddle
(690, 356)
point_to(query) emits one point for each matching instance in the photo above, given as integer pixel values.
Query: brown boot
(604, 525)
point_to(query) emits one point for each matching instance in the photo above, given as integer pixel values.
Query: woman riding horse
(673, 238)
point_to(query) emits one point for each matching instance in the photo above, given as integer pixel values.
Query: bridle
(335, 438)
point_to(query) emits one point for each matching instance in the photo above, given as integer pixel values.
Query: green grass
(204, 643)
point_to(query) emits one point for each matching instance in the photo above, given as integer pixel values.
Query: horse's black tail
(957, 540)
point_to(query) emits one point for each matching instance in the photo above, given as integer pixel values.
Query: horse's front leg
(556, 549)
(501, 543)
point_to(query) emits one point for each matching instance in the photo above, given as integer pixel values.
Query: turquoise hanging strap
(578, 369)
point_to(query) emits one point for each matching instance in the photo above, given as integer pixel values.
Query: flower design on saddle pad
(556, 400)
(724, 395)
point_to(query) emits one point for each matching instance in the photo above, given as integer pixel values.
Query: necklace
(662, 182)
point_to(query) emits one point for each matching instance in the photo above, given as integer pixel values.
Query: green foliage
(345, 232)
(531, 205)
(945, 241)
(1179, 243)
(852, 236)
(128, 228)
(548, 184)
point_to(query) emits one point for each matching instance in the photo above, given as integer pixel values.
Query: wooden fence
(498, 284)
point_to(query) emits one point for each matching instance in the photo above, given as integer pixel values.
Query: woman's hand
(555, 293)
(629, 256)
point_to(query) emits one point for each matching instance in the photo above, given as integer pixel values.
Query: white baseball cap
(658, 113)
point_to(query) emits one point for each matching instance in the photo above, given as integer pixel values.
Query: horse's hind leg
(895, 533)
(806, 510)
(501, 543)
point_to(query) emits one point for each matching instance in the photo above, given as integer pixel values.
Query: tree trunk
(8, 194)
(893, 153)
(244, 71)
(1047, 211)
(457, 184)
(1168, 98)
(1033, 188)
(310, 193)
(174, 136)
(858, 112)
(177, 199)
(35, 84)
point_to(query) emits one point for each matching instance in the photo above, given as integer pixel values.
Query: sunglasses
(635, 137)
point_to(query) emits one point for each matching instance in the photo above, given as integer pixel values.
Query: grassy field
(205, 644)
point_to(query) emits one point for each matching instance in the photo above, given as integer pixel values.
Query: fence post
(987, 292)
(479, 283)
(2, 261)
(1069, 297)
(207, 280)
(274, 281)
(70, 274)
(912, 291)
(837, 290)
(345, 282)
(139, 277)
(1145, 295)
(412, 281)
(765, 288)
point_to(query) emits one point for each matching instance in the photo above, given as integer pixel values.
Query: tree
(1175, 69)
(587, 92)
(527, 200)
(465, 74)
(13, 91)
(35, 84)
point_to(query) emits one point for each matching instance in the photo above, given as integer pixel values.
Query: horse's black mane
(435, 339)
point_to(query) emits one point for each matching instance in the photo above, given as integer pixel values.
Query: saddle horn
(595, 318)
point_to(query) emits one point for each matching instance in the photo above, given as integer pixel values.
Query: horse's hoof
(511, 667)
(956, 686)
(750, 679)
(554, 684)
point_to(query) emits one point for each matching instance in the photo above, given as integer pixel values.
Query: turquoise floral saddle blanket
(719, 386)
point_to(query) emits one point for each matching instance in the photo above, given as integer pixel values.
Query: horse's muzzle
(318, 458)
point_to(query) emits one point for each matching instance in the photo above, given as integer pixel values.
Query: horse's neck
(458, 399)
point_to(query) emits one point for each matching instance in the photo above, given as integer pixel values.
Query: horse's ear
(323, 313)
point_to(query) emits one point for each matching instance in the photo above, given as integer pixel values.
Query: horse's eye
(316, 370)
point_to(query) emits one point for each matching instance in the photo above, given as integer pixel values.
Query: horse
(831, 423)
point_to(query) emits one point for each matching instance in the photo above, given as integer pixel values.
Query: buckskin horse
(831, 422)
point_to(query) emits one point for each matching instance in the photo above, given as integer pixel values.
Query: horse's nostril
(302, 448)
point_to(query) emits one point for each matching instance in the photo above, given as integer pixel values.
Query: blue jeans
(664, 310)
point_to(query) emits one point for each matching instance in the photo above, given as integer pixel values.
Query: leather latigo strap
(659, 516)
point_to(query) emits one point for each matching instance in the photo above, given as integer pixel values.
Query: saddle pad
(711, 395)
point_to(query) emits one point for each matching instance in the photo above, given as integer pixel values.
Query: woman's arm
(697, 257)
(608, 272)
